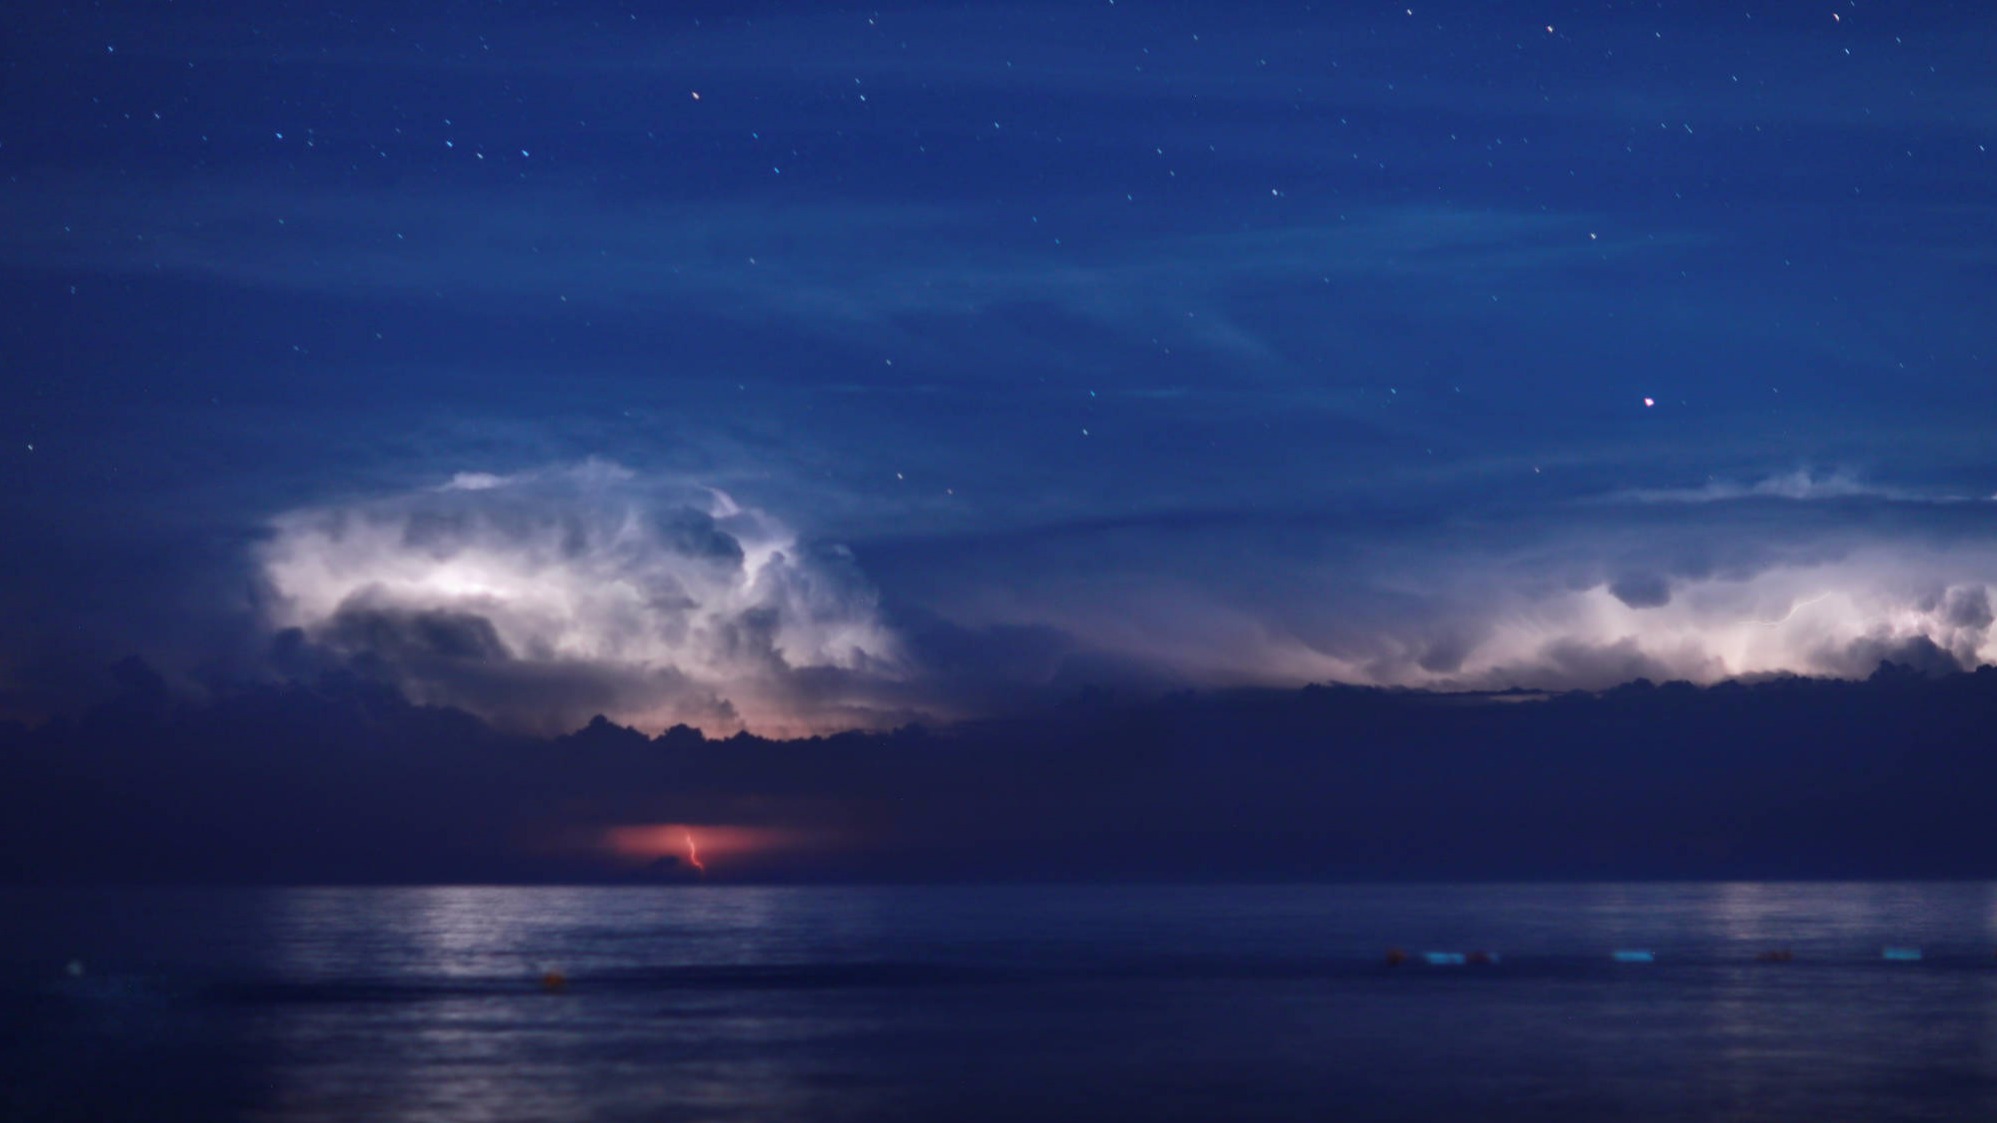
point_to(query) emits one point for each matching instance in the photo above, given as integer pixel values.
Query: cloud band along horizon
(540, 598)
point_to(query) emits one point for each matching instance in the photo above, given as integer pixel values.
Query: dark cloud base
(343, 780)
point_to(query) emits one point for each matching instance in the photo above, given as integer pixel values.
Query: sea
(1598, 1002)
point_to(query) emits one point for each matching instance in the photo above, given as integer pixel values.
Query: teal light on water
(1902, 955)
(1635, 957)
(1445, 958)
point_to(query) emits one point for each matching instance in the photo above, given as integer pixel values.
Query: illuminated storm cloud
(542, 598)
(1840, 619)
(1554, 619)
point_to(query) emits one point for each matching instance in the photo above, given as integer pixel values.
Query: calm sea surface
(1203, 1003)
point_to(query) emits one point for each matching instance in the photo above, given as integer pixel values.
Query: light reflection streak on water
(484, 1043)
(1067, 1003)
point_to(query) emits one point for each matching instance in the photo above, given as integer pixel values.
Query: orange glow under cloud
(704, 848)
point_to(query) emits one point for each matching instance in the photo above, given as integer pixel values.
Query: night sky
(798, 367)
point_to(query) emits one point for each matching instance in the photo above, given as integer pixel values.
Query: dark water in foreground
(1008, 1003)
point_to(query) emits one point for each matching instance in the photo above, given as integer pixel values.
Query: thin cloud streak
(820, 265)
(1800, 485)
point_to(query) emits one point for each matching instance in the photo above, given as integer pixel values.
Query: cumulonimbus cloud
(1839, 618)
(1577, 597)
(543, 597)
(540, 598)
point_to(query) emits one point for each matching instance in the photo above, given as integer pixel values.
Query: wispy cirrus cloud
(820, 264)
(1801, 485)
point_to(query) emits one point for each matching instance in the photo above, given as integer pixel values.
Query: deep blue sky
(1051, 344)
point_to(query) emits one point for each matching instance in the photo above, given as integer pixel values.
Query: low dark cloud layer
(342, 780)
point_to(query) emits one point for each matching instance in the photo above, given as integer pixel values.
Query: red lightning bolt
(693, 853)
